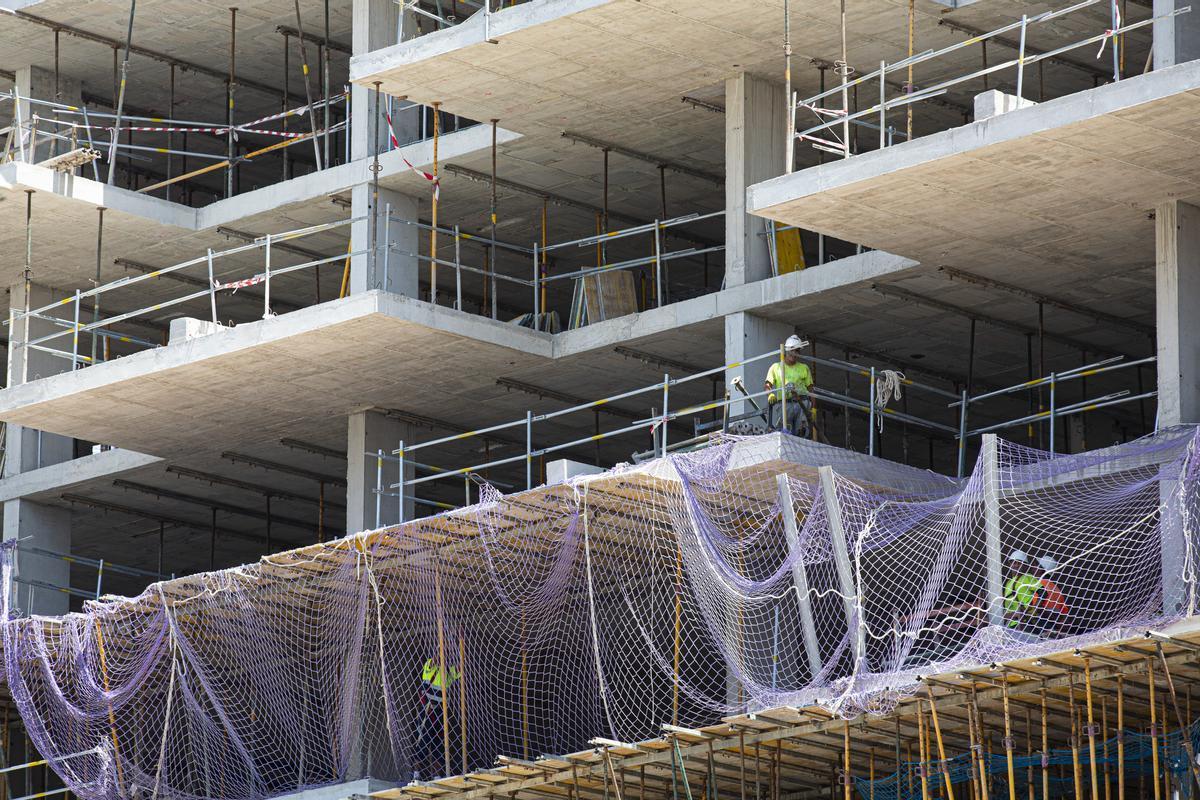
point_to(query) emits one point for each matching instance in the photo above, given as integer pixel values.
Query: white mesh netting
(674, 592)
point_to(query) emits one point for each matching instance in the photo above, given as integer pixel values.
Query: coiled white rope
(887, 383)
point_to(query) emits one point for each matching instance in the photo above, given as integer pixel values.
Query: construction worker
(428, 751)
(792, 378)
(1019, 590)
(1049, 604)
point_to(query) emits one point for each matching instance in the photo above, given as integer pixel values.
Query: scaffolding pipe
(112, 152)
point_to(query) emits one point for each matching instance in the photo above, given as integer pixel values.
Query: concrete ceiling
(192, 33)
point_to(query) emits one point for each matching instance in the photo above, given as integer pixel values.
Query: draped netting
(754, 573)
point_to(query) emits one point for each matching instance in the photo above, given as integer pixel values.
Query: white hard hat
(1018, 555)
(1047, 563)
(794, 343)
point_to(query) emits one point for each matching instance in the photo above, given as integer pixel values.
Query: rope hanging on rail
(887, 383)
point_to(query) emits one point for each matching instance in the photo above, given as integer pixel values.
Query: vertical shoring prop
(1153, 730)
(845, 72)
(96, 298)
(972, 752)
(116, 129)
(1008, 739)
(328, 109)
(1120, 737)
(542, 268)
(871, 774)
(1104, 754)
(741, 759)
(1187, 740)
(170, 134)
(1045, 751)
(921, 741)
(312, 112)
(433, 235)
(28, 280)
(846, 790)
(112, 719)
(678, 631)
(937, 730)
(1029, 752)
(1091, 727)
(373, 221)
(462, 684)
(1076, 767)
(229, 146)
(489, 286)
(908, 83)
(440, 610)
(789, 130)
(985, 785)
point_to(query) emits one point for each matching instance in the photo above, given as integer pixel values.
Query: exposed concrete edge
(67, 475)
(17, 176)
(349, 790)
(345, 176)
(275, 330)
(365, 68)
(861, 268)
(761, 198)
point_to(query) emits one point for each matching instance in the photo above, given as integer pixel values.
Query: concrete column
(1176, 39)
(48, 528)
(367, 432)
(391, 270)
(27, 448)
(754, 152)
(1177, 289)
(37, 83)
(746, 336)
(377, 24)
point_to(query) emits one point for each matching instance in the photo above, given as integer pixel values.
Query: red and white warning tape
(435, 180)
(235, 285)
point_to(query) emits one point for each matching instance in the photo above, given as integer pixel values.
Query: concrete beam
(47, 482)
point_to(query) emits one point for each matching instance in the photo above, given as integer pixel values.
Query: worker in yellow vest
(428, 750)
(790, 377)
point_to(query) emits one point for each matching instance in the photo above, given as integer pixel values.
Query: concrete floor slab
(1067, 182)
(153, 231)
(306, 370)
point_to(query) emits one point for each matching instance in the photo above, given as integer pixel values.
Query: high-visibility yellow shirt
(797, 374)
(432, 675)
(1019, 592)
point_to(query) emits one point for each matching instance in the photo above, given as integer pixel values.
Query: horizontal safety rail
(1055, 410)
(833, 118)
(76, 327)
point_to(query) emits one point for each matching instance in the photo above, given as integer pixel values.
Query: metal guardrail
(100, 565)
(540, 280)
(834, 118)
(655, 421)
(76, 327)
(1055, 411)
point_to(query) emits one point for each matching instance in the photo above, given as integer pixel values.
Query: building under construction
(387, 407)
